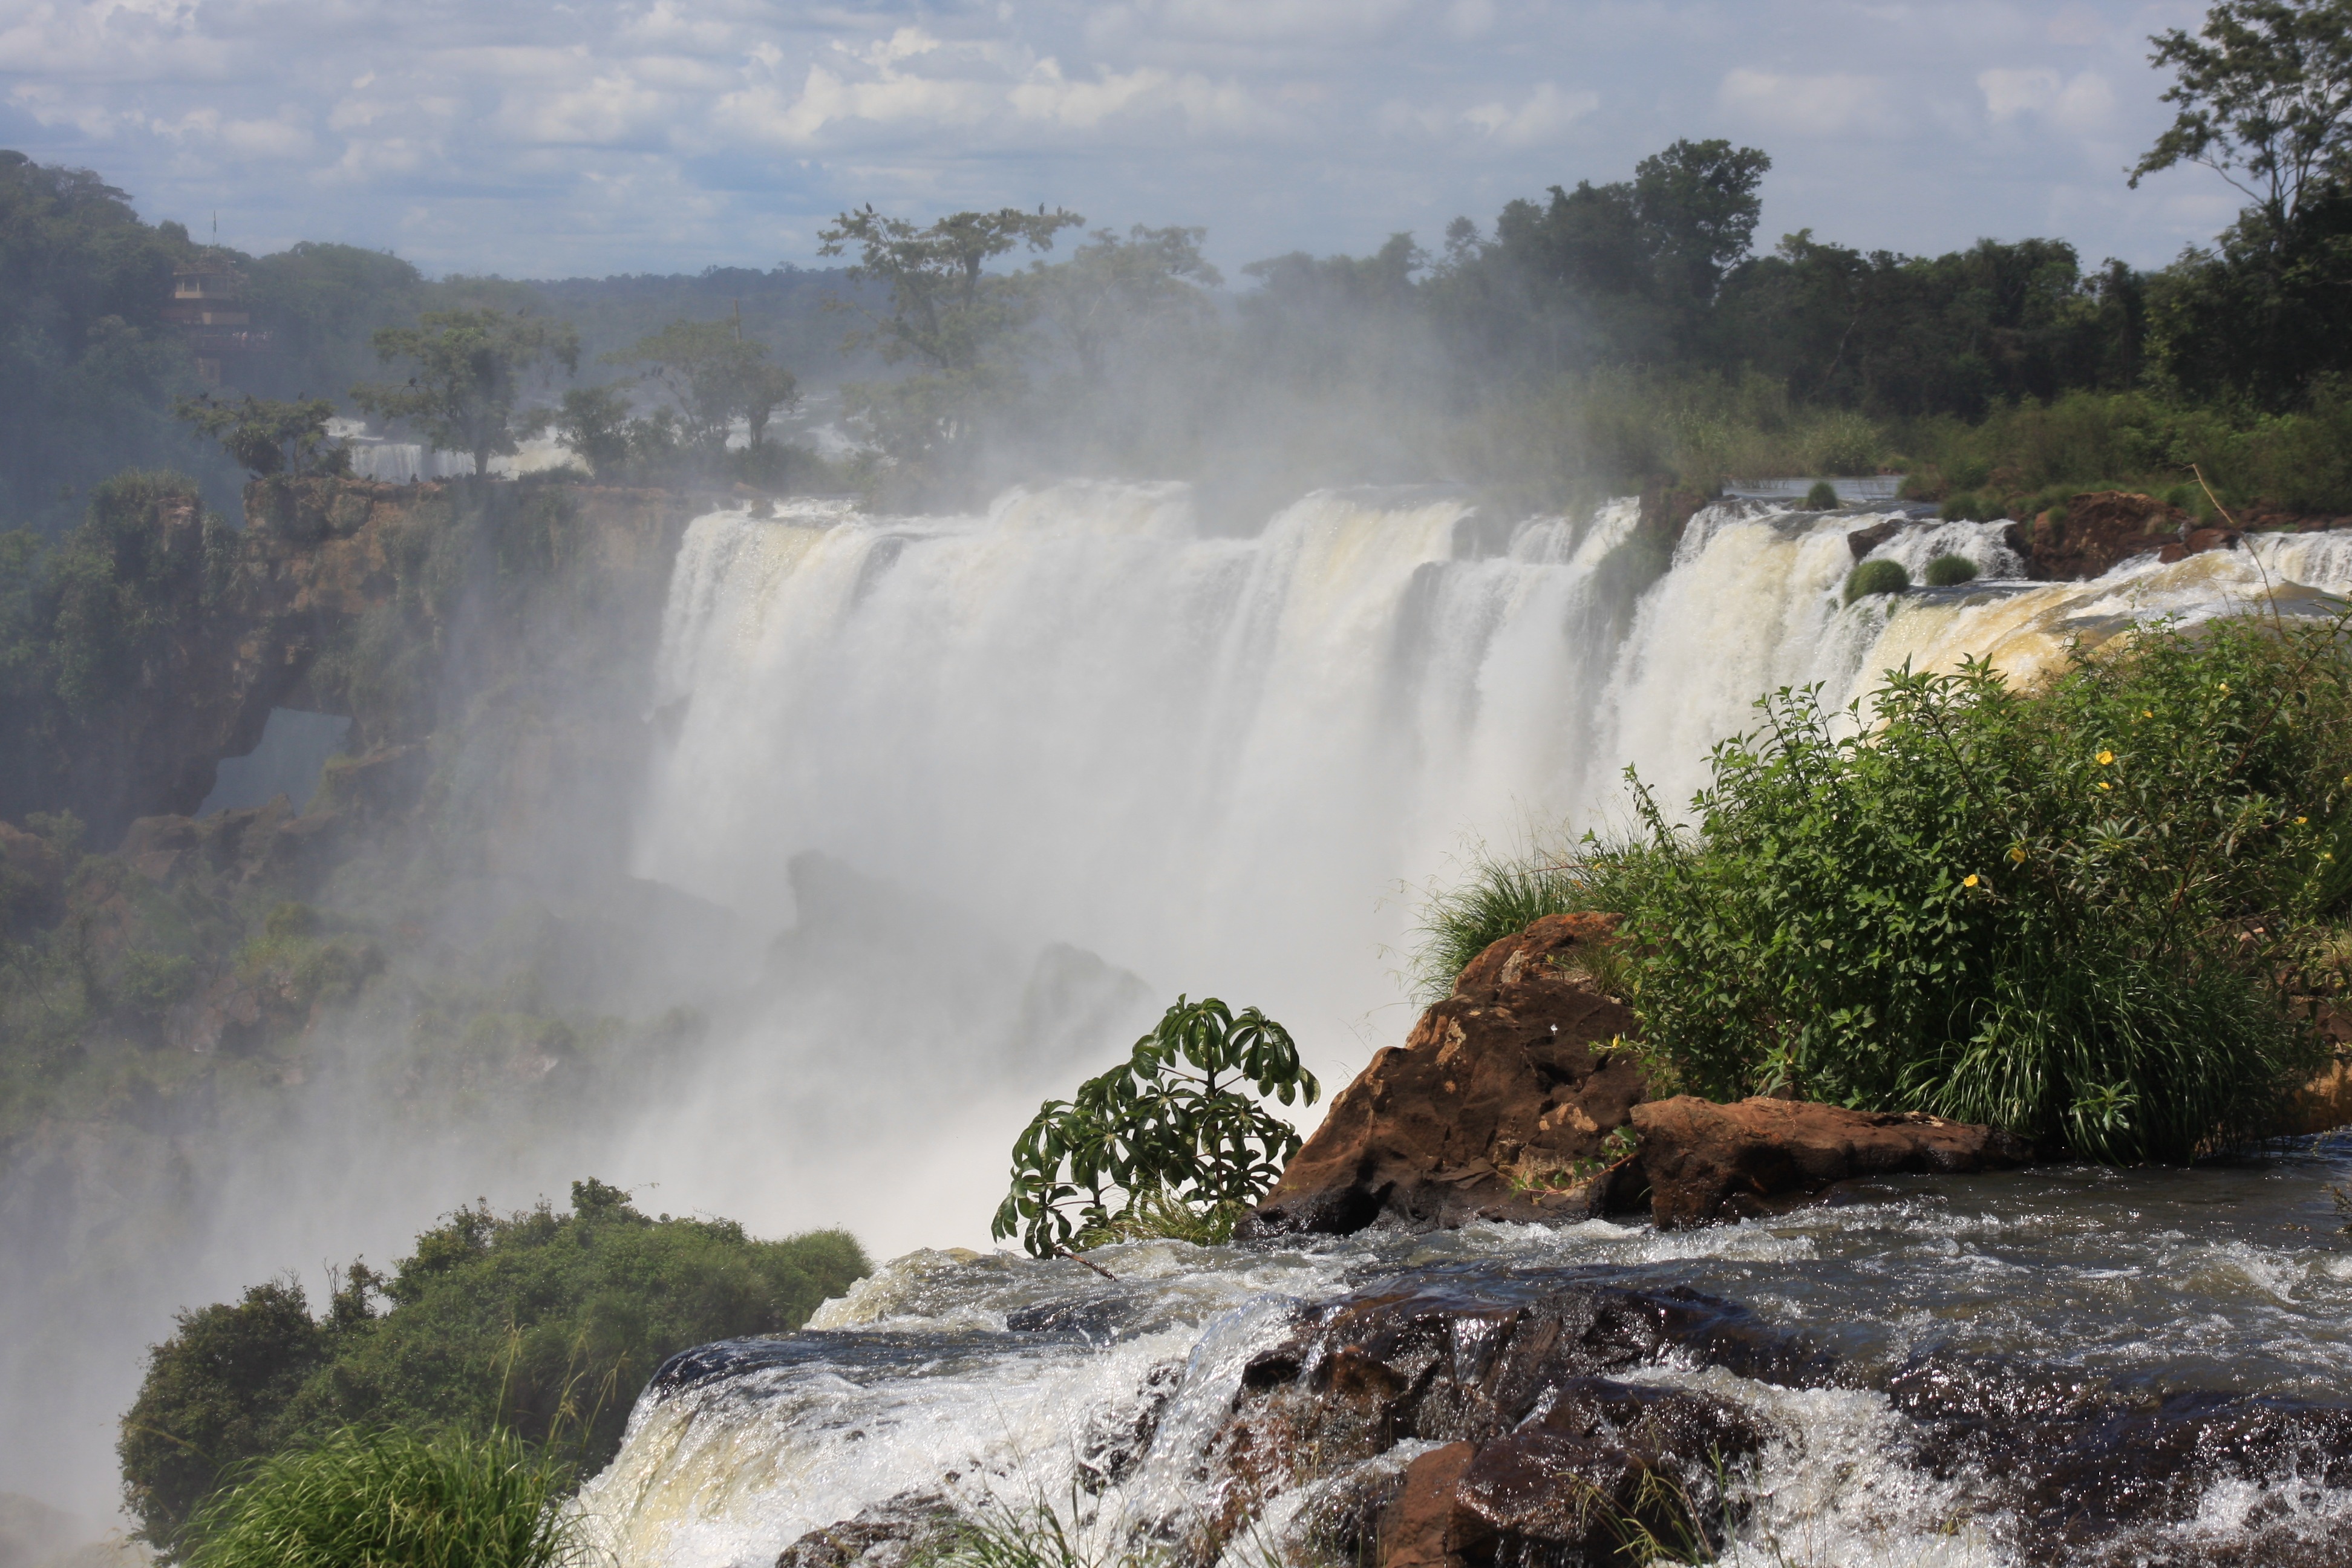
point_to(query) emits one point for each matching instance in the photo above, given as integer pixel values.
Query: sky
(544, 138)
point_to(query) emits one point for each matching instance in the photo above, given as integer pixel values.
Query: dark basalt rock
(913, 1527)
(1547, 1454)
(1705, 1162)
(1512, 1076)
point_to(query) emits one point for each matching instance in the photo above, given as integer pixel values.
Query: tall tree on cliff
(472, 370)
(947, 314)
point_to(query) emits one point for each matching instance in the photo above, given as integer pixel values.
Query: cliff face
(388, 603)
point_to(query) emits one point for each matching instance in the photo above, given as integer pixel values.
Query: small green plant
(1950, 571)
(392, 1500)
(1823, 497)
(1965, 506)
(1880, 576)
(1173, 1125)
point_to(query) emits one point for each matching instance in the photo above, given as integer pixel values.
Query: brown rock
(1512, 1076)
(1705, 1162)
(1542, 1457)
(1427, 1527)
(1863, 541)
(2101, 530)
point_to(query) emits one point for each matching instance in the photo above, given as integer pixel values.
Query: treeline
(1605, 335)
(92, 369)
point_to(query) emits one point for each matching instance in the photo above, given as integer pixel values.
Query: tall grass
(392, 1500)
(1499, 896)
(2083, 915)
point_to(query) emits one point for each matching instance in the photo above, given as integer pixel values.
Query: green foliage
(1823, 497)
(87, 367)
(214, 1395)
(714, 375)
(1950, 571)
(472, 368)
(1881, 577)
(1155, 1132)
(2265, 99)
(269, 437)
(543, 1323)
(2069, 914)
(150, 983)
(393, 1499)
(950, 316)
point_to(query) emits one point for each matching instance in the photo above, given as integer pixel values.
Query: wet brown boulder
(1498, 1101)
(1706, 1162)
(1542, 1454)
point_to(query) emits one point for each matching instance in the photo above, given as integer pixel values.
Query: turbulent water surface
(1210, 761)
(991, 1377)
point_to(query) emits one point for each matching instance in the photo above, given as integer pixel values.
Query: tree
(593, 421)
(1152, 1131)
(2265, 97)
(215, 1393)
(1110, 286)
(270, 436)
(472, 367)
(537, 1322)
(944, 309)
(714, 375)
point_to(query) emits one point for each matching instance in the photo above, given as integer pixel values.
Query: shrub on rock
(1880, 576)
(1950, 571)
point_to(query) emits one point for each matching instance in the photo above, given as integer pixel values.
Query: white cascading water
(1216, 763)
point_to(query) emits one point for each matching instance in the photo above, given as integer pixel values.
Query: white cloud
(2081, 102)
(488, 133)
(1544, 114)
(1083, 105)
(1827, 105)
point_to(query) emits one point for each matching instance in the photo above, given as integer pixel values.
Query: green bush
(392, 1500)
(543, 1323)
(1823, 497)
(2075, 915)
(1184, 1152)
(1881, 577)
(1950, 571)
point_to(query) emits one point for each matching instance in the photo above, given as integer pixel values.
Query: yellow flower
(2150, 713)
(1969, 880)
(2301, 820)
(2017, 854)
(2105, 757)
(2223, 685)
(2104, 785)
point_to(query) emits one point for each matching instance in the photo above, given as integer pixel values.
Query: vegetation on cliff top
(540, 1324)
(2094, 915)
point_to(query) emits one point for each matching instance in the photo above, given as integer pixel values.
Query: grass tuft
(392, 1500)
(1950, 571)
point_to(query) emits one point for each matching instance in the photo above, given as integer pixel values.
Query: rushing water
(989, 1376)
(1212, 762)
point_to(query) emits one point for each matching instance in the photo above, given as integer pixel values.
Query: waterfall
(1223, 764)
(1081, 739)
